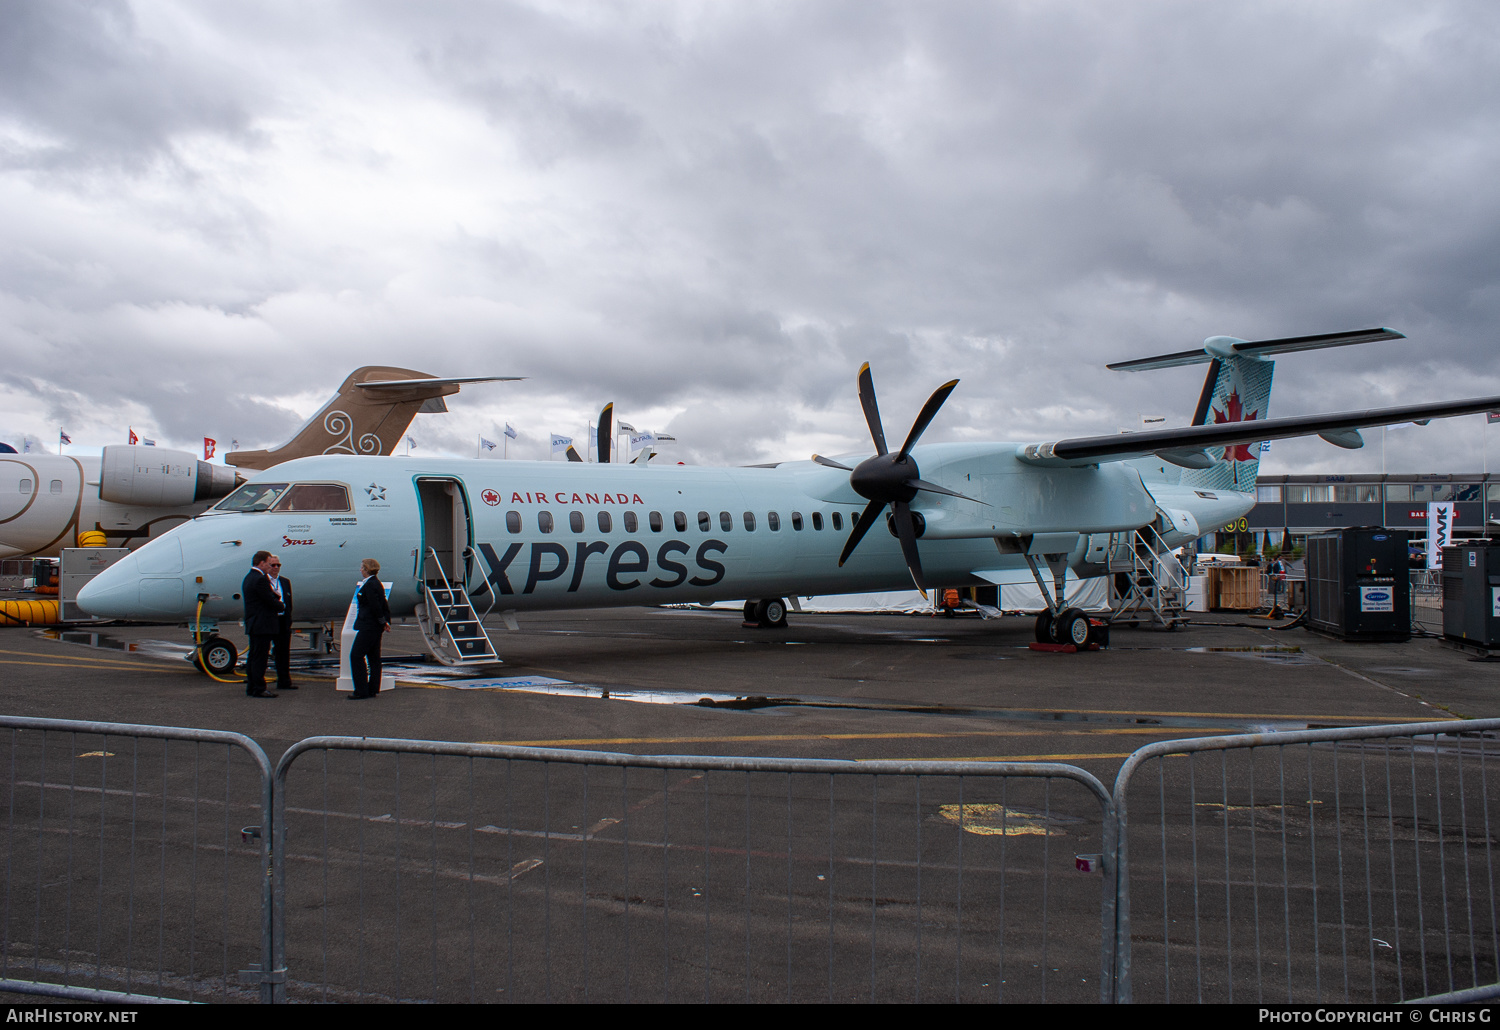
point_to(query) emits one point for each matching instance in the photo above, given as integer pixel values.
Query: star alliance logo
(377, 493)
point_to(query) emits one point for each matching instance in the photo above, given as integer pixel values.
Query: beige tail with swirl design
(369, 415)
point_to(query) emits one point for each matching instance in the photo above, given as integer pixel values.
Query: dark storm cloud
(717, 212)
(81, 75)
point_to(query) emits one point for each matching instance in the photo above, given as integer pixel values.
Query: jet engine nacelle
(159, 477)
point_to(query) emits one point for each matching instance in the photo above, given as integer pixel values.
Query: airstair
(1147, 582)
(453, 630)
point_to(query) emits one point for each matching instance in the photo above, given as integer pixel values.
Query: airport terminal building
(1302, 505)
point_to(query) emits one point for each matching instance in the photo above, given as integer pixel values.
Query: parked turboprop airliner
(130, 492)
(459, 538)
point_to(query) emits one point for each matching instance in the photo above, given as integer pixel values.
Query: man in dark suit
(283, 648)
(263, 609)
(372, 619)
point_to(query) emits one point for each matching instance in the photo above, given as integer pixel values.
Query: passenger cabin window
(605, 522)
(513, 521)
(749, 521)
(314, 497)
(575, 521)
(56, 486)
(679, 519)
(655, 520)
(726, 521)
(773, 521)
(544, 521)
(838, 521)
(704, 522)
(26, 486)
(253, 497)
(631, 522)
(817, 520)
(797, 521)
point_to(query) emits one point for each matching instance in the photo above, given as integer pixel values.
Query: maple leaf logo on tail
(1234, 412)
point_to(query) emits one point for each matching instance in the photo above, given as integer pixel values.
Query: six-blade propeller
(892, 479)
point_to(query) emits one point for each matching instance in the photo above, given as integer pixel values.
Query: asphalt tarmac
(438, 878)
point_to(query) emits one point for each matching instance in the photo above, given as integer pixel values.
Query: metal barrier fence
(1352, 864)
(126, 876)
(1348, 865)
(415, 870)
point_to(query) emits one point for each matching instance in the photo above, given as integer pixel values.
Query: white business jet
(460, 539)
(131, 492)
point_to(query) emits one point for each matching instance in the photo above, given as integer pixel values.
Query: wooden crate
(1234, 587)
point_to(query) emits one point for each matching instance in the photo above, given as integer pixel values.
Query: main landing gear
(767, 613)
(1071, 626)
(1063, 625)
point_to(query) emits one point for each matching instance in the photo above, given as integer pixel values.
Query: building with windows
(1306, 504)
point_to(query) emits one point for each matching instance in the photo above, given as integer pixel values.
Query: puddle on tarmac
(149, 648)
(1281, 655)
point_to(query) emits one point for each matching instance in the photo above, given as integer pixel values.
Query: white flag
(510, 431)
(561, 443)
(488, 445)
(641, 439)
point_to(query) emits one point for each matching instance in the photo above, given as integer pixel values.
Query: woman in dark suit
(372, 619)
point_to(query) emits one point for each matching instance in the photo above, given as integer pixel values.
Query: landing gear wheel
(771, 613)
(217, 656)
(1044, 628)
(1072, 627)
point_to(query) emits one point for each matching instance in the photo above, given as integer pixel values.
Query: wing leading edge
(1178, 445)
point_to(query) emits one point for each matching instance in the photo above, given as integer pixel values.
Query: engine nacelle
(159, 477)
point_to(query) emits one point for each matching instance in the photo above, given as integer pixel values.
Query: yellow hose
(92, 538)
(197, 634)
(28, 613)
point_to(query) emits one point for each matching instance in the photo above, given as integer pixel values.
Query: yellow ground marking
(74, 659)
(1283, 716)
(991, 820)
(772, 738)
(121, 667)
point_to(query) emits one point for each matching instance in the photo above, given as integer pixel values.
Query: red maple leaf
(1235, 413)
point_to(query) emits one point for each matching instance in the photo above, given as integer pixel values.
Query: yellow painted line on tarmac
(773, 738)
(1278, 716)
(121, 667)
(79, 658)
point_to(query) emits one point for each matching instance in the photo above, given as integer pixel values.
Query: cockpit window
(252, 497)
(314, 497)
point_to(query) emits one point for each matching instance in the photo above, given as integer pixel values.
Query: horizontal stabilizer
(401, 384)
(1088, 450)
(1224, 346)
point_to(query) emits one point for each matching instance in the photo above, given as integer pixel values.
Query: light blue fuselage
(533, 569)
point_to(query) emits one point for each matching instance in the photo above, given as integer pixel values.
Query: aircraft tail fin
(606, 432)
(369, 415)
(1236, 389)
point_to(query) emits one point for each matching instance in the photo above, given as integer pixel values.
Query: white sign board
(1439, 531)
(1377, 599)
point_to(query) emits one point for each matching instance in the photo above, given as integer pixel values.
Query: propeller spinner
(892, 478)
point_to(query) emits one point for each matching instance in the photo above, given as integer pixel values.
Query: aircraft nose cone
(115, 593)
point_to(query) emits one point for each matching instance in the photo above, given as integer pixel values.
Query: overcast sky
(712, 213)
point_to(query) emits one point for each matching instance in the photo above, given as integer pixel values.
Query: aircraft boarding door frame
(446, 519)
(454, 632)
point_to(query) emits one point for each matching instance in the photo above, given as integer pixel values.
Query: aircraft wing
(1186, 446)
